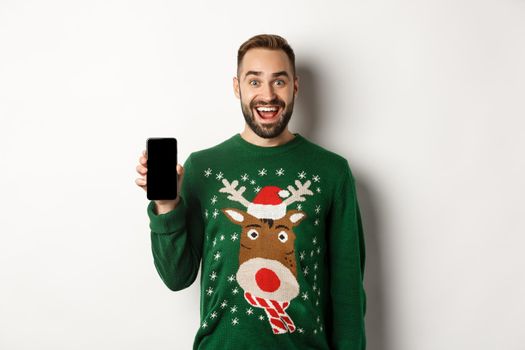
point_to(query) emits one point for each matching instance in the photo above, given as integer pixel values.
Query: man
(273, 217)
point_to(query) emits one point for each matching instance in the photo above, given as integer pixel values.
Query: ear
(295, 216)
(296, 85)
(235, 215)
(236, 87)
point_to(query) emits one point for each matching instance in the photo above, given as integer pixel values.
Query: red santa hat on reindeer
(268, 203)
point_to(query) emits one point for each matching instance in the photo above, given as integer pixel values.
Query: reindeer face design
(267, 266)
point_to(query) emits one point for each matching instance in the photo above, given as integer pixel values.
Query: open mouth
(268, 113)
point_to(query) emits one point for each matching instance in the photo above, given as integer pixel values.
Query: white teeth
(267, 109)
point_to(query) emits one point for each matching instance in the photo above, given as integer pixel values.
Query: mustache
(274, 102)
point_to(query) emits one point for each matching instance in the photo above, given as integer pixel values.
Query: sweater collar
(271, 150)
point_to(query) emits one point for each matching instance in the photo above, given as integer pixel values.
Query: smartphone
(162, 168)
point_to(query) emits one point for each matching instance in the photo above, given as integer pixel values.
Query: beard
(267, 131)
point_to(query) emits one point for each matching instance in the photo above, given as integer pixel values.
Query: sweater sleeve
(176, 236)
(346, 262)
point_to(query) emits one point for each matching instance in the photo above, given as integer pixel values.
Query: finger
(141, 182)
(143, 161)
(142, 170)
(180, 172)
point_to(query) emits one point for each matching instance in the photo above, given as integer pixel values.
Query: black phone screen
(162, 168)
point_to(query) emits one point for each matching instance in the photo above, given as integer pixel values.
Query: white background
(424, 98)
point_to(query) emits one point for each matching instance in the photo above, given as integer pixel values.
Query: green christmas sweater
(278, 232)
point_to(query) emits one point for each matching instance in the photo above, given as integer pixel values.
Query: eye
(283, 236)
(252, 234)
(282, 82)
(253, 81)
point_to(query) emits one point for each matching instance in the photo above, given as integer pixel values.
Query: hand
(163, 205)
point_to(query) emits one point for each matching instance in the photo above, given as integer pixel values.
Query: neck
(252, 137)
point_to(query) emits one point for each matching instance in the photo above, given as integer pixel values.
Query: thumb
(180, 172)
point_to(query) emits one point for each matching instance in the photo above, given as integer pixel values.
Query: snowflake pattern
(213, 275)
(217, 255)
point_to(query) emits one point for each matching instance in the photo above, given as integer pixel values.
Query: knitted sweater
(279, 234)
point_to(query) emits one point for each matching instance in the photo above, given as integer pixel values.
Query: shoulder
(201, 156)
(335, 162)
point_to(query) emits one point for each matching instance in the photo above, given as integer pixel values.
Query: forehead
(266, 61)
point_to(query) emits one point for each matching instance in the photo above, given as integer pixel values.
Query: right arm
(177, 232)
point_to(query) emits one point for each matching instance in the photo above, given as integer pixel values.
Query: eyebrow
(276, 74)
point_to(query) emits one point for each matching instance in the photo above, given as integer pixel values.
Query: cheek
(287, 97)
(247, 100)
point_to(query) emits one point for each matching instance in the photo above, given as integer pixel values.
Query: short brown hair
(266, 41)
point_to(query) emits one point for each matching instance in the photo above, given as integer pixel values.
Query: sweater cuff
(172, 221)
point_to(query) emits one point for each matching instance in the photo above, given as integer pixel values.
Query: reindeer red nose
(267, 280)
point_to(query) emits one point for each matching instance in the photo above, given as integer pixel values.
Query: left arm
(347, 264)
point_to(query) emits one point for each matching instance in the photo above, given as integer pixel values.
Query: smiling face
(266, 86)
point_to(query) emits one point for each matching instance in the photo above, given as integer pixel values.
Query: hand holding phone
(162, 184)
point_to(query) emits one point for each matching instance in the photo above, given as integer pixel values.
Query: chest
(265, 210)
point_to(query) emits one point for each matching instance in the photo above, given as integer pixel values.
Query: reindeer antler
(235, 195)
(297, 194)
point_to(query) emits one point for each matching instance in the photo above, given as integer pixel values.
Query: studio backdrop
(424, 98)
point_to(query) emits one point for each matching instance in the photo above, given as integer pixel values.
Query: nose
(268, 94)
(267, 280)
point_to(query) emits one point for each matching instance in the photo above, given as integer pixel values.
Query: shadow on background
(307, 109)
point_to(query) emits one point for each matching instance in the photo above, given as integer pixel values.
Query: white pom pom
(284, 193)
